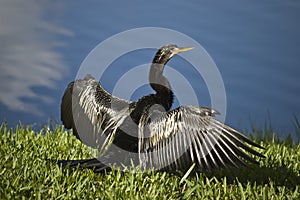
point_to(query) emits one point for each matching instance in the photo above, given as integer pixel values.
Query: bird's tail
(93, 163)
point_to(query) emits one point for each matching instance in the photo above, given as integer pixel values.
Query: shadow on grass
(277, 175)
(265, 175)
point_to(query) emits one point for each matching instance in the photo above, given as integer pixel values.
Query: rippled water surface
(255, 45)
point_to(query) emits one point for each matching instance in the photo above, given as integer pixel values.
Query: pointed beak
(183, 49)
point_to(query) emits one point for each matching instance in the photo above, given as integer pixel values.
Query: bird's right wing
(191, 135)
(92, 112)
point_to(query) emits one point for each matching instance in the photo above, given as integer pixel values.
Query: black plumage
(147, 133)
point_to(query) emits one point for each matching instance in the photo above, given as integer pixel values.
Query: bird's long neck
(160, 84)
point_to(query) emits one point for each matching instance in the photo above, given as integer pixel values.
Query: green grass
(25, 173)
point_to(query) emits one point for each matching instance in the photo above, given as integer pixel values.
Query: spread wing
(92, 112)
(173, 141)
(187, 135)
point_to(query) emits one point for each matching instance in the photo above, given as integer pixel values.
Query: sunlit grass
(26, 173)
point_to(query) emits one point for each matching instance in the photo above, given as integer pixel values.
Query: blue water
(255, 45)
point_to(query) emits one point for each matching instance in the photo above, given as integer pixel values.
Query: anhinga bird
(151, 135)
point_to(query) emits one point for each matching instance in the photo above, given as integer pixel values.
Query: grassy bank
(25, 173)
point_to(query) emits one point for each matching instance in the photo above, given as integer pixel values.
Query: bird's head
(165, 53)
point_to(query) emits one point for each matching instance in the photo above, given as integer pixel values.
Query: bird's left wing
(179, 138)
(92, 113)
